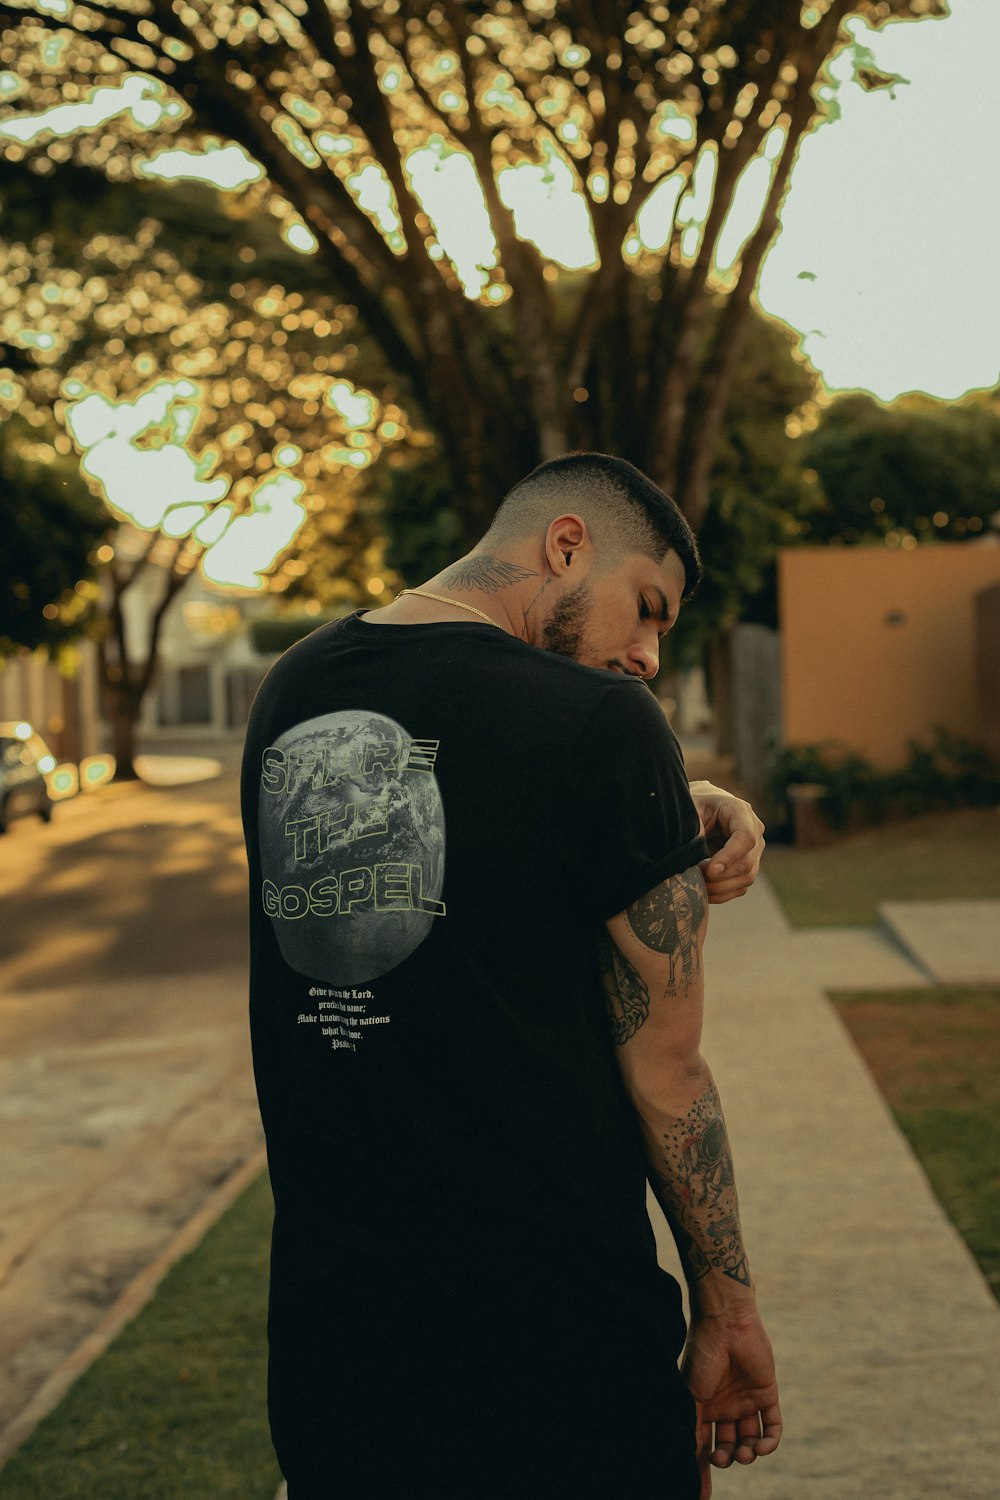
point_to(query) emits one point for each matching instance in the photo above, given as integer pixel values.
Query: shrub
(948, 772)
(271, 633)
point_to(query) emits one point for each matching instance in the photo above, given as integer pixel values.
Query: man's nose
(644, 659)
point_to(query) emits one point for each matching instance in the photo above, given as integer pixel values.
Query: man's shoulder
(586, 690)
(515, 676)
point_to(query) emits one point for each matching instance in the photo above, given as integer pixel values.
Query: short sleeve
(636, 823)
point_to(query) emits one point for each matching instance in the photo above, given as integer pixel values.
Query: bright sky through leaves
(141, 97)
(888, 232)
(162, 485)
(228, 167)
(894, 218)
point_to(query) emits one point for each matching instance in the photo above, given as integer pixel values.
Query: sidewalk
(886, 1335)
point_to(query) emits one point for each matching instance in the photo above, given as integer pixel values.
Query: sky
(893, 214)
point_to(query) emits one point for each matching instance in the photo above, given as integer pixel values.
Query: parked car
(25, 762)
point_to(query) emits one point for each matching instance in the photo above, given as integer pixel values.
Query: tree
(916, 472)
(758, 494)
(757, 491)
(335, 100)
(52, 525)
(112, 353)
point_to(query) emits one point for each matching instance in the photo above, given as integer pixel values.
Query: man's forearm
(694, 1182)
(651, 970)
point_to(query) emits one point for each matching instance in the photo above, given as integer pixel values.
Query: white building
(208, 673)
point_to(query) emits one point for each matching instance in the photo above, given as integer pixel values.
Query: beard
(563, 630)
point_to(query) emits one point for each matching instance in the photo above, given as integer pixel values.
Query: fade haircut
(625, 512)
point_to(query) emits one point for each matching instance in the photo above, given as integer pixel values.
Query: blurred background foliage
(916, 472)
(943, 771)
(52, 522)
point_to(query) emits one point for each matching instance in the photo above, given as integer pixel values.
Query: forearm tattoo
(696, 1188)
(483, 571)
(668, 920)
(625, 994)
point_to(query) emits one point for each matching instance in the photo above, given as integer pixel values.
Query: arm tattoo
(696, 1187)
(483, 571)
(625, 995)
(668, 920)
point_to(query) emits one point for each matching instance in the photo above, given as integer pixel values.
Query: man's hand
(736, 836)
(729, 1369)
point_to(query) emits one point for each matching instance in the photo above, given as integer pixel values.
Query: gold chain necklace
(443, 599)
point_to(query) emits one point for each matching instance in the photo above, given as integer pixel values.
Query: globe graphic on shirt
(351, 829)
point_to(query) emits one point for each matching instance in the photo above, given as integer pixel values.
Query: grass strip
(176, 1406)
(953, 855)
(933, 1054)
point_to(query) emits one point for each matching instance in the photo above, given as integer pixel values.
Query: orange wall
(850, 675)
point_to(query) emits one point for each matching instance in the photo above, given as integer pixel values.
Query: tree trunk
(124, 682)
(720, 679)
(123, 707)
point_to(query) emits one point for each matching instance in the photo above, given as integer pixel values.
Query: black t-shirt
(438, 819)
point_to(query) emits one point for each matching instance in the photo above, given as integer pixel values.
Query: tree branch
(532, 306)
(126, 582)
(174, 583)
(667, 406)
(724, 357)
(122, 27)
(117, 620)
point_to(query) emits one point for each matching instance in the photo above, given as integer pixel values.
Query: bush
(948, 772)
(271, 633)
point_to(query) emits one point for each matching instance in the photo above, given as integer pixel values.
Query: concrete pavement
(886, 1334)
(955, 942)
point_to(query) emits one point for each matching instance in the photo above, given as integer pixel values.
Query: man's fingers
(703, 1440)
(746, 1448)
(729, 887)
(772, 1425)
(726, 890)
(743, 869)
(724, 1445)
(739, 846)
(742, 1442)
(735, 1442)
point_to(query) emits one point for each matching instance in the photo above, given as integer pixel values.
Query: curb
(132, 1300)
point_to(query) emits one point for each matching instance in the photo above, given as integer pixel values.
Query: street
(125, 1085)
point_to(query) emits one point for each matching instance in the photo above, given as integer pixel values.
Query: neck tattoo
(456, 603)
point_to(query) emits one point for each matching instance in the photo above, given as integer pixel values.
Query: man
(478, 901)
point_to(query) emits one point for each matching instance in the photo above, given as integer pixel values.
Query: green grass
(933, 1054)
(947, 855)
(176, 1406)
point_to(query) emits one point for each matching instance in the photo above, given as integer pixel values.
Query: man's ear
(567, 542)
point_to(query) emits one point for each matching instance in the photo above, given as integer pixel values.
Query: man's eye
(644, 610)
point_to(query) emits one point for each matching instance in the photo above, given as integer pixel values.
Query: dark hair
(624, 511)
